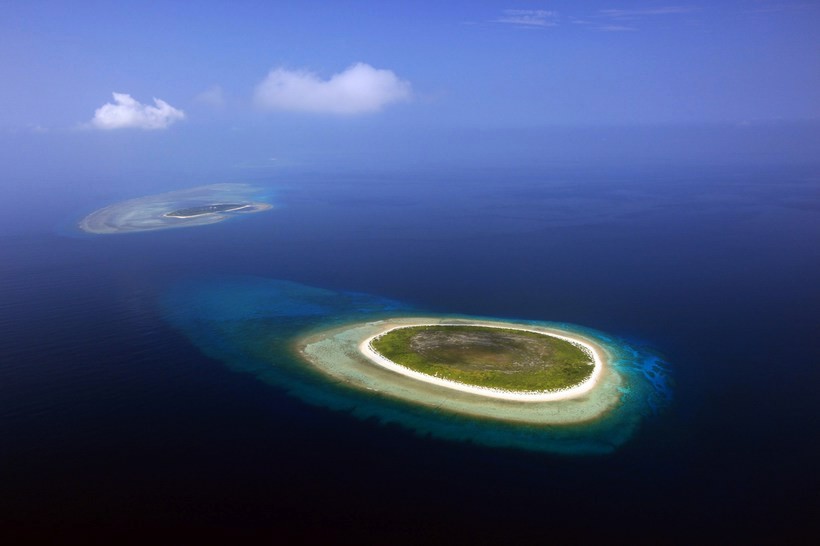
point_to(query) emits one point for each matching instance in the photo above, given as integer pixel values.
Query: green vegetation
(499, 358)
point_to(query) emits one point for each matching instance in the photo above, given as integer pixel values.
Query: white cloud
(128, 113)
(528, 17)
(359, 89)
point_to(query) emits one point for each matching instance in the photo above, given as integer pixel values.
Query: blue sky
(216, 91)
(482, 64)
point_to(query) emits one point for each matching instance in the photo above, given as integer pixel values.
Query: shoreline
(366, 347)
(336, 354)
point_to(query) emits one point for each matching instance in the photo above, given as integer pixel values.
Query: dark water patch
(112, 419)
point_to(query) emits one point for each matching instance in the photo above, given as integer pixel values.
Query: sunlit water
(120, 399)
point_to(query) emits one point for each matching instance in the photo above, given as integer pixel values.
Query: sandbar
(344, 355)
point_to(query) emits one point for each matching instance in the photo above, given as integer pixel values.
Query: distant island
(198, 206)
(206, 209)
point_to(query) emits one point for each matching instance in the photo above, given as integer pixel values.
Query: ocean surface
(113, 420)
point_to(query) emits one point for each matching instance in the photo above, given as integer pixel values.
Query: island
(502, 362)
(333, 348)
(526, 373)
(528, 384)
(192, 207)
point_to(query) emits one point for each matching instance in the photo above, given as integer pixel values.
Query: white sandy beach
(366, 347)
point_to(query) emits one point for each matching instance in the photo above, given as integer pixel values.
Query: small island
(206, 209)
(530, 384)
(496, 360)
(526, 373)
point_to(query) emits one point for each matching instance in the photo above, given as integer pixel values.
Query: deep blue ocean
(112, 422)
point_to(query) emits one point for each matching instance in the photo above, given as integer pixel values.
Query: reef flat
(198, 206)
(341, 354)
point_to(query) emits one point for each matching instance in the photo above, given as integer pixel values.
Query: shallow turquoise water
(251, 324)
